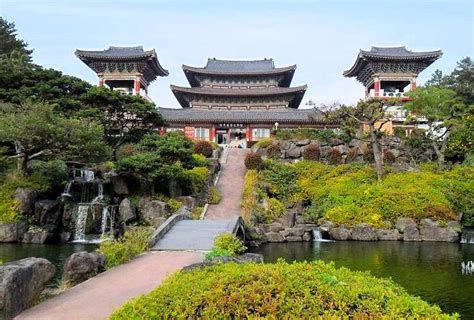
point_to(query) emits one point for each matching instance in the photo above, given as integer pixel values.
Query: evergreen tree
(10, 43)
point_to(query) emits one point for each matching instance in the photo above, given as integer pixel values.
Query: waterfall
(318, 237)
(67, 190)
(88, 175)
(108, 217)
(81, 220)
(467, 236)
(100, 193)
(467, 268)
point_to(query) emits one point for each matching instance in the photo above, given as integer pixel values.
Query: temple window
(201, 133)
(260, 133)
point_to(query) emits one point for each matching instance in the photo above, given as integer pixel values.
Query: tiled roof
(117, 52)
(189, 115)
(239, 65)
(296, 93)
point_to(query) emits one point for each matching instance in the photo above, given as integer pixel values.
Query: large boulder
(153, 212)
(288, 219)
(21, 283)
(403, 223)
(293, 152)
(187, 201)
(293, 232)
(67, 219)
(39, 236)
(127, 211)
(119, 186)
(12, 231)
(431, 231)
(363, 232)
(48, 215)
(411, 233)
(26, 198)
(389, 234)
(82, 265)
(274, 237)
(250, 257)
(340, 233)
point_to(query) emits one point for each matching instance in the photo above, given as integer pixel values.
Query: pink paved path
(98, 297)
(230, 186)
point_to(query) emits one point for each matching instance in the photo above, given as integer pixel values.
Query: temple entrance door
(237, 138)
(222, 136)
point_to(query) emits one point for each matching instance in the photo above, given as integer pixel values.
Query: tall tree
(443, 110)
(10, 42)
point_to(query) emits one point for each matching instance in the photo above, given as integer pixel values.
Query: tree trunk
(377, 151)
(24, 164)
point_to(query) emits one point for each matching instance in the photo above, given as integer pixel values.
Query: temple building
(239, 101)
(389, 73)
(127, 69)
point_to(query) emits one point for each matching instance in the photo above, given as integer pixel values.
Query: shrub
(214, 253)
(134, 242)
(253, 161)
(368, 156)
(229, 243)
(388, 157)
(311, 152)
(307, 133)
(248, 197)
(174, 204)
(214, 195)
(204, 148)
(197, 211)
(264, 143)
(275, 210)
(250, 144)
(351, 155)
(334, 156)
(274, 151)
(199, 160)
(300, 290)
(197, 177)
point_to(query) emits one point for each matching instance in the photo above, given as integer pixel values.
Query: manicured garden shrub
(264, 143)
(388, 157)
(229, 243)
(134, 242)
(248, 197)
(174, 204)
(274, 151)
(214, 195)
(311, 152)
(300, 290)
(199, 160)
(276, 209)
(197, 177)
(351, 155)
(204, 148)
(253, 161)
(334, 156)
(307, 133)
(368, 156)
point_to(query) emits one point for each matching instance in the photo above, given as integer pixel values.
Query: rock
(250, 257)
(326, 226)
(298, 232)
(187, 201)
(39, 236)
(153, 212)
(403, 223)
(336, 142)
(127, 211)
(293, 152)
(119, 186)
(302, 142)
(354, 143)
(342, 148)
(288, 219)
(430, 231)
(12, 231)
(363, 232)
(340, 233)
(64, 236)
(274, 237)
(26, 198)
(68, 217)
(389, 234)
(307, 236)
(48, 215)
(82, 265)
(455, 225)
(184, 211)
(411, 233)
(21, 283)
(293, 239)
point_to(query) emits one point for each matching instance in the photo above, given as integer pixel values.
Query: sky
(322, 37)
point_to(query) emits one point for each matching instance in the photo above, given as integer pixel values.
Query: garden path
(98, 297)
(230, 187)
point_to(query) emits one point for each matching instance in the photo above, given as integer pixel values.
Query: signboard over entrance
(230, 125)
(189, 132)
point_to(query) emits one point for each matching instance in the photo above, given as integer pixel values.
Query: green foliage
(214, 195)
(253, 161)
(265, 142)
(197, 211)
(174, 204)
(229, 243)
(249, 201)
(134, 242)
(197, 178)
(204, 148)
(275, 210)
(307, 133)
(311, 152)
(199, 160)
(10, 42)
(215, 253)
(274, 151)
(300, 290)
(334, 156)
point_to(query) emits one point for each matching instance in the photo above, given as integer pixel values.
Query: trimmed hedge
(204, 148)
(303, 290)
(311, 152)
(253, 161)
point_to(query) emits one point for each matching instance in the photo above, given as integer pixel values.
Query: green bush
(388, 157)
(197, 211)
(214, 195)
(253, 161)
(307, 133)
(264, 143)
(214, 253)
(311, 152)
(174, 204)
(197, 177)
(230, 243)
(300, 290)
(204, 148)
(134, 242)
(199, 160)
(276, 209)
(274, 151)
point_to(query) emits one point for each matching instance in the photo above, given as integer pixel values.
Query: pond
(56, 253)
(430, 270)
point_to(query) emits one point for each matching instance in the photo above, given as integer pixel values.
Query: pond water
(56, 253)
(430, 270)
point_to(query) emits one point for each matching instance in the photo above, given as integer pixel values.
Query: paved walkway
(98, 297)
(230, 187)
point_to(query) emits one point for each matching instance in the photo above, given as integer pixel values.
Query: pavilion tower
(390, 72)
(127, 69)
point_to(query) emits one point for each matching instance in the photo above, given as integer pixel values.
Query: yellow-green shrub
(214, 195)
(174, 204)
(134, 242)
(275, 210)
(303, 290)
(248, 198)
(197, 176)
(229, 243)
(265, 142)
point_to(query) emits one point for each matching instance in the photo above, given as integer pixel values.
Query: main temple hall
(235, 102)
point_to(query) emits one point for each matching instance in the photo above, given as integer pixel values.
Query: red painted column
(162, 131)
(101, 82)
(377, 87)
(413, 85)
(213, 134)
(248, 134)
(137, 87)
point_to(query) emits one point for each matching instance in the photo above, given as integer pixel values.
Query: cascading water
(467, 236)
(81, 220)
(318, 237)
(88, 175)
(467, 267)
(108, 218)
(67, 190)
(100, 193)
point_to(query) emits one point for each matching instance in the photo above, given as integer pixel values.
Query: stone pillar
(248, 134)
(213, 134)
(137, 87)
(101, 82)
(377, 87)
